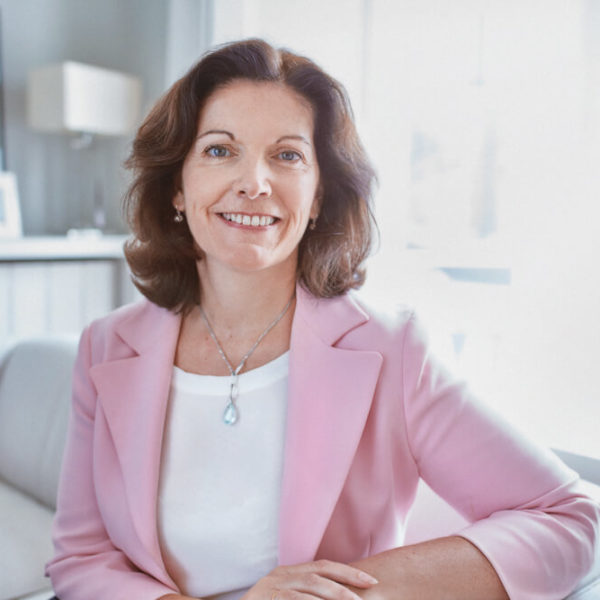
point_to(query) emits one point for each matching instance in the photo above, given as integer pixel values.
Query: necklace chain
(231, 414)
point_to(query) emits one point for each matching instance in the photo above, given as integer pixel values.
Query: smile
(252, 220)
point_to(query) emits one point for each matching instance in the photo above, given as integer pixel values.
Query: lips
(249, 220)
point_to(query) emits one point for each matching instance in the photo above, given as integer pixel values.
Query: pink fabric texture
(369, 412)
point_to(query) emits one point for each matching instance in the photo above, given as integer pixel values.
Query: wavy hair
(162, 254)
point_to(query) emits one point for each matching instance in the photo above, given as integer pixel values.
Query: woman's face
(250, 180)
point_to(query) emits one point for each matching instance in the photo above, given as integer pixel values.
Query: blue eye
(217, 151)
(289, 155)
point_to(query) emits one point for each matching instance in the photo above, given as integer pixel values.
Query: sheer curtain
(484, 123)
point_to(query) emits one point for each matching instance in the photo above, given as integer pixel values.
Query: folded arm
(529, 517)
(450, 568)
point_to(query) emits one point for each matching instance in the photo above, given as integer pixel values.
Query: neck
(244, 302)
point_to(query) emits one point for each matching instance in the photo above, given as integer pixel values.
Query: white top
(220, 485)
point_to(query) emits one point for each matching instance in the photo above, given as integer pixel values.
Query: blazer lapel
(328, 405)
(327, 409)
(133, 392)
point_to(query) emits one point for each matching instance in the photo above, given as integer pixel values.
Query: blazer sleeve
(529, 516)
(86, 564)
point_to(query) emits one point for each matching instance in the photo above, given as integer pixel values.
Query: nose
(253, 181)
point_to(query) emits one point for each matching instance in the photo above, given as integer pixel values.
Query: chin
(247, 261)
(250, 258)
(255, 262)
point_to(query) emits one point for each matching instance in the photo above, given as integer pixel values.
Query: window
(483, 120)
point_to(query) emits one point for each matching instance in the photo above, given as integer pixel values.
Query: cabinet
(59, 284)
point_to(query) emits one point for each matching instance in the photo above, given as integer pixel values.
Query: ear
(178, 201)
(315, 209)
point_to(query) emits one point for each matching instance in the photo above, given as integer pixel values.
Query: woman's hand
(323, 579)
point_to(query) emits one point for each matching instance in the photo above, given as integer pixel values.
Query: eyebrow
(217, 131)
(301, 138)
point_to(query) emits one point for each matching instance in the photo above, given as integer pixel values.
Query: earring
(312, 224)
(178, 218)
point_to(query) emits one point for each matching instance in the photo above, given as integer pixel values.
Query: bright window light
(483, 120)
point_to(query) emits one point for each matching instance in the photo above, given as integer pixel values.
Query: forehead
(243, 102)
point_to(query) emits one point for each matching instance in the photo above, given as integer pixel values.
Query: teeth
(253, 221)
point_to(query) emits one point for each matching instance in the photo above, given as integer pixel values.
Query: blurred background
(481, 117)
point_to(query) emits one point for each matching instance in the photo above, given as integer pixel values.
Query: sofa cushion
(25, 533)
(35, 392)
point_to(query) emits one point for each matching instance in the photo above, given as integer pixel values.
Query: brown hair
(162, 253)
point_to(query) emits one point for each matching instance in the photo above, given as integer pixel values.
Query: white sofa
(35, 382)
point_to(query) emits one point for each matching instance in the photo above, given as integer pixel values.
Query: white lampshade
(75, 97)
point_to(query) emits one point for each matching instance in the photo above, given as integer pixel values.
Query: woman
(252, 412)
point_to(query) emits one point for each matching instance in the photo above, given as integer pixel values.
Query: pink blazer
(369, 412)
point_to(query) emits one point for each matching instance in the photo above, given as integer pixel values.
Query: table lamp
(83, 101)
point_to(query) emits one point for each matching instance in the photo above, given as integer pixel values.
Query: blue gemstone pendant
(231, 415)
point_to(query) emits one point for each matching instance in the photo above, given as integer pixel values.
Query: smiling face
(249, 183)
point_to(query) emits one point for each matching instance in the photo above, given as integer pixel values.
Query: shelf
(53, 248)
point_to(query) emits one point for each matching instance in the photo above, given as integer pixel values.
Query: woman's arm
(528, 513)
(451, 568)
(86, 563)
(325, 579)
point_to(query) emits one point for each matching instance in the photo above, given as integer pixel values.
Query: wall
(56, 184)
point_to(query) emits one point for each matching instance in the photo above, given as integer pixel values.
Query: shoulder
(362, 323)
(386, 320)
(383, 314)
(128, 314)
(127, 326)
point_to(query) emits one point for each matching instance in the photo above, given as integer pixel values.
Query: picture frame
(10, 213)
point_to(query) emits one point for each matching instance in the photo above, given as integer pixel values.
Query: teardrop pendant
(231, 415)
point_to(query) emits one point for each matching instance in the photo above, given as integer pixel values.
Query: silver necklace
(231, 414)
